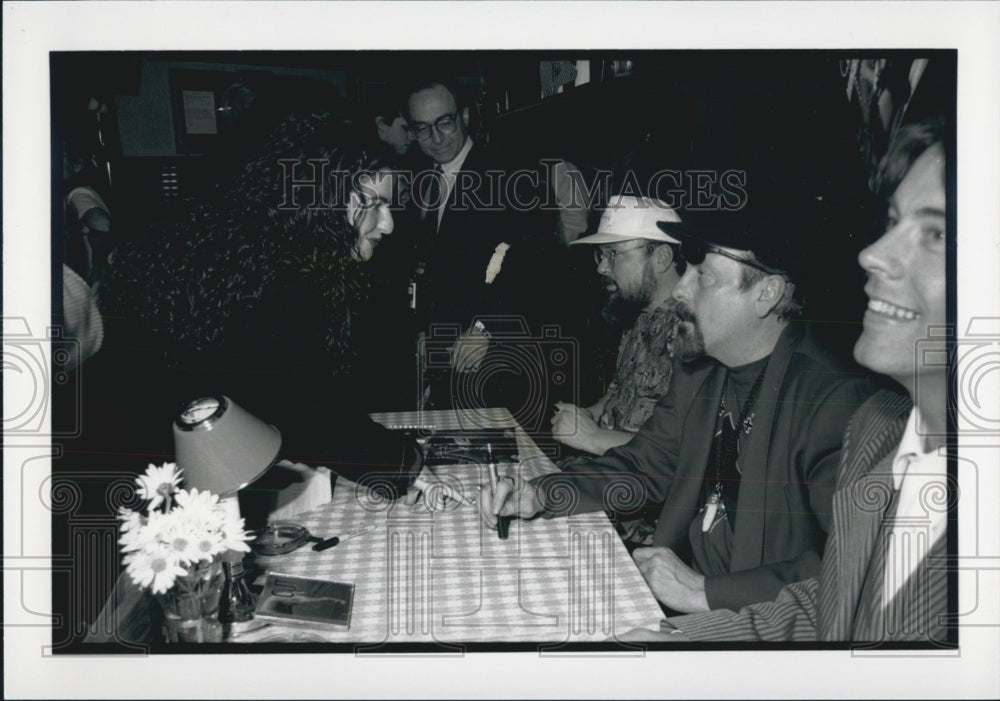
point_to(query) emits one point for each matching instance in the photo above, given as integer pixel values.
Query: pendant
(711, 509)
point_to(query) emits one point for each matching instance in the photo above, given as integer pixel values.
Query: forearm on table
(738, 589)
(621, 481)
(604, 439)
(790, 617)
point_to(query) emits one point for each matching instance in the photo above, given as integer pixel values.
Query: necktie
(431, 196)
(430, 199)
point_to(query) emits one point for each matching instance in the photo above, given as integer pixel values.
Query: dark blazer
(832, 607)
(789, 467)
(486, 208)
(489, 207)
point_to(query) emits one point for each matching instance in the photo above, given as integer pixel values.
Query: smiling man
(482, 235)
(879, 579)
(740, 454)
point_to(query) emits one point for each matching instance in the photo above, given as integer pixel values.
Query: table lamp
(222, 448)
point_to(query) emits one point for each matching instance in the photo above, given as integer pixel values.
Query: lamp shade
(221, 447)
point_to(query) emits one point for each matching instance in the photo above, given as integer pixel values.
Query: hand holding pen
(503, 522)
(434, 491)
(511, 497)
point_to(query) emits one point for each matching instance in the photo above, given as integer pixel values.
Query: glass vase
(191, 606)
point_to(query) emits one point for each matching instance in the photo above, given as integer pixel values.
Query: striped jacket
(836, 606)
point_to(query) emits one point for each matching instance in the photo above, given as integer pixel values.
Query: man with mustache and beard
(740, 455)
(639, 265)
(884, 575)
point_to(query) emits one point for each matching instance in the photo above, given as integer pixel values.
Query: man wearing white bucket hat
(639, 265)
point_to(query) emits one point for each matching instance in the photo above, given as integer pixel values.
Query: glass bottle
(236, 604)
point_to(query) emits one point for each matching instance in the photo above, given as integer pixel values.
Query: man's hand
(574, 426)
(436, 493)
(673, 583)
(514, 497)
(469, 350)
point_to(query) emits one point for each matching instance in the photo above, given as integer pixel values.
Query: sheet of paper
(199, 112)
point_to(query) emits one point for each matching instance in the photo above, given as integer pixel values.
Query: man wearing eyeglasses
(741, 453)
(479, 248)
(884, 574)
(639, 266)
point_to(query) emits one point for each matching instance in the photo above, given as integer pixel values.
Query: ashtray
(280, 538)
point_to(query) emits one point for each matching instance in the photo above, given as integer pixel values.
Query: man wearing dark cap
(741, 453)
(884, 575)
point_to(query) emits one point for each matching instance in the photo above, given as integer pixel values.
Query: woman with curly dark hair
(252, 296)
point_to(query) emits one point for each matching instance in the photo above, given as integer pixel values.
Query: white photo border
(31, 30)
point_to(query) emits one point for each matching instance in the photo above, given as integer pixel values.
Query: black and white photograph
(501, 349)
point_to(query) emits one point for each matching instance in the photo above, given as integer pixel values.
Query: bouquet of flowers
(178, 540)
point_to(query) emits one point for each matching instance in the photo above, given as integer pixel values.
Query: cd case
(303, 601)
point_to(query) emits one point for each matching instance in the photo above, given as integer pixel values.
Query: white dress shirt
(921, 512)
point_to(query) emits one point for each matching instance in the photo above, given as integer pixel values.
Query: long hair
(284, 213)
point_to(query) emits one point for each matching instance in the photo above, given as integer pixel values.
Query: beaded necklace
(727, 450)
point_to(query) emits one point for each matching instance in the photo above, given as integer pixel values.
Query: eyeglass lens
(694, 251)
(609, 254)
(444, 125)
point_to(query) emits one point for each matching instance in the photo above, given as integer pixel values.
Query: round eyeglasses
(444, 125)
(609, 254)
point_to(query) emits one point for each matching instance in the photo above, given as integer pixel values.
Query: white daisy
(157, 526)
(198, 504)
(182, 543)
(142, 536)
(234, 537)
(208, 544)
(158, 483)
(158, 570)
(130, 520)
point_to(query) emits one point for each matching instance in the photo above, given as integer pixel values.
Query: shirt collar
(911, 448)
(455, 163)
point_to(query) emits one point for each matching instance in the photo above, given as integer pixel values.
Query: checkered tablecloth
(423, 577)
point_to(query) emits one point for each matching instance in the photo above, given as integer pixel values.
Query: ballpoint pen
(503, 522)
(330, 542)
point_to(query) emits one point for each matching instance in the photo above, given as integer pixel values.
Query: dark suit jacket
(832, 607)
(487, 207)
(789, 466)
